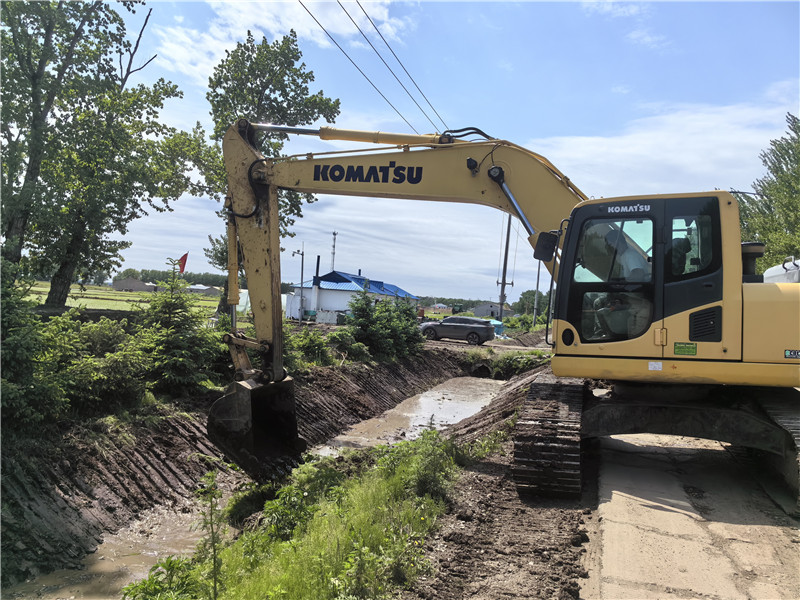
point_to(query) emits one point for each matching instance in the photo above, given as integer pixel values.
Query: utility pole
(505, 268)
(536, 299)
(333, 252)
(302, 253)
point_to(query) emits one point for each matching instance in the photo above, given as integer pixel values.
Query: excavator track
(761, 424)
(547, 439)
(783, 407)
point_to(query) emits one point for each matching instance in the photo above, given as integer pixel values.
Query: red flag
(182, 261)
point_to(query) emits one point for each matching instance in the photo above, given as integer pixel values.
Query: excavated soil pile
(492, 543)
(60, 496)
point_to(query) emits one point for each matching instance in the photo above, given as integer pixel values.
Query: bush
(30, 395)
(344, 342)
(388, 329)
(173, 332)
(67, 367)
(304, 348)
(170, 578)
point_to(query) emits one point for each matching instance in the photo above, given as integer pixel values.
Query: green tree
(185, 352)
(47, 48)
(772, 215)
(266, 83)
(261, 82)
(388, 328)
(527, 303)
(132, 273)
(101, 155)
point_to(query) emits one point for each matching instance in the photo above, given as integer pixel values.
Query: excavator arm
(436, 167)
(417, 167)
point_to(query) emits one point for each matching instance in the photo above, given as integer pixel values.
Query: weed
(212, 523)
(329, 537)
(245, 503)
(170, 577)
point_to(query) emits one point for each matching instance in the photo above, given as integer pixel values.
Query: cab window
(613, 277)
(690, 247)
(619, 250)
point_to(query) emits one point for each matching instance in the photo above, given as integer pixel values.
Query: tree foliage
(527, 302)
(84, 148)
(388, 328)
(153, 275)
(264, 83)
(772, 215)
(466, 305)
(48, 50)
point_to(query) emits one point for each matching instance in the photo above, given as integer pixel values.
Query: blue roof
(337, 280)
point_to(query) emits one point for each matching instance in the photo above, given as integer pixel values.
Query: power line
(401, 64)
(356, 66)
(387, 65)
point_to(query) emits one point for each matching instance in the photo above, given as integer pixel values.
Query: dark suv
(472, 329)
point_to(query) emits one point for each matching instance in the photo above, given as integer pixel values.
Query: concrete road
(681, 518)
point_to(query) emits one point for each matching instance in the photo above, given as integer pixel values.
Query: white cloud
(644, 37)
(186, 50)
(615, 10)
(189, 52)
(677, 148)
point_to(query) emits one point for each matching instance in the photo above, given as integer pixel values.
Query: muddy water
(123, 557)
(127, 556)
(443, 405)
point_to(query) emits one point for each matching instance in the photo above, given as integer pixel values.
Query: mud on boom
(656, 293)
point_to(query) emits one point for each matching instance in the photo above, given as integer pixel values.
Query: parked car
(472, 329)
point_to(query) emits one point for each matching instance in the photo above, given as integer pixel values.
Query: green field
(103, 297)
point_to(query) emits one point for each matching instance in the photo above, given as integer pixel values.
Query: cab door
(695, 319)
(611, 289)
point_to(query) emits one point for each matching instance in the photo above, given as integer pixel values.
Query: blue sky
(624, 97)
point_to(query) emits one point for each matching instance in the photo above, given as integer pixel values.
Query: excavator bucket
(256, 421)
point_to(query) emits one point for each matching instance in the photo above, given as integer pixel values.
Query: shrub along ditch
(66, 368)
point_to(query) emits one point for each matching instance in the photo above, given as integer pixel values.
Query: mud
(493, 543)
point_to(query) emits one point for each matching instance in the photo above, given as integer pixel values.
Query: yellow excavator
(655, 295)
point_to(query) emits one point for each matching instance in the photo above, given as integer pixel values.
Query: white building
(333, 293)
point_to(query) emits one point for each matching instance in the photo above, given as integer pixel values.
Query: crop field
(104, 297)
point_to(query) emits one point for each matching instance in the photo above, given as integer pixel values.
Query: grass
(341, 529)
(106, 298)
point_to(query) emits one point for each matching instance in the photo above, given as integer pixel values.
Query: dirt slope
(60, 496)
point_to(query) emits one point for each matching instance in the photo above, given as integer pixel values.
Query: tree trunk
(20, 208)
(222, 305)
(15, 237)
(62, 280)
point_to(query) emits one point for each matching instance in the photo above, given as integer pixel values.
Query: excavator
(660, 323)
